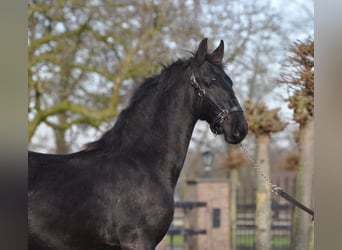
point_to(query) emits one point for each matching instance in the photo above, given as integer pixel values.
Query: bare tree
(85, 57)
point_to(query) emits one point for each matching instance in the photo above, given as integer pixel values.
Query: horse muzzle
(235, 131)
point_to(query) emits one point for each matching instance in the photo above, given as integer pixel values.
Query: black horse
(117, 193)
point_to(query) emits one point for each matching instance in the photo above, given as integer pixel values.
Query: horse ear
(217, 55)
(202, 51)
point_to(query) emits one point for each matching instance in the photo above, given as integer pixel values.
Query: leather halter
(222, 114)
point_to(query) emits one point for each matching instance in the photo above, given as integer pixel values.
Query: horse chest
(135, 200)
(128, 209)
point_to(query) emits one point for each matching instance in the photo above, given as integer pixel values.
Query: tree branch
(94, 116)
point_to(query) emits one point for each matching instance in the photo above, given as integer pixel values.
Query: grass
(248, 240)
(279, 241)
(178, 240)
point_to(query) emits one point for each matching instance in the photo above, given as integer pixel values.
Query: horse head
(215, 100)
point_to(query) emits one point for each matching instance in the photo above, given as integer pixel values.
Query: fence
(206, 220)
(180, 224)
(282, 214)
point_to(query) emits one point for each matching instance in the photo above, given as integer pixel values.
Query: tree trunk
(234, 181)
(303, 221)
(263, 196)
(61, 145)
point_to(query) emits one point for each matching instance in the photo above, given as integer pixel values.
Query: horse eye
(209, 81)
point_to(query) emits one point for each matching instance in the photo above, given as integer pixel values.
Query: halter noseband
(222, 114)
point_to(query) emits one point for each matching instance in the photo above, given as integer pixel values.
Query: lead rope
(274, 188)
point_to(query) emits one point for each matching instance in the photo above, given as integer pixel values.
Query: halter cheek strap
(221, 114)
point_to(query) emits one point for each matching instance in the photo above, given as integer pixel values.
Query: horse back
(44, 168)
(93, 198)
(60, 201)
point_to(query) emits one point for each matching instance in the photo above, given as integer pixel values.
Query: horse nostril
(240, 131)
(236, 132)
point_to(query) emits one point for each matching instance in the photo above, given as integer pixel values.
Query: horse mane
(156, 85)
(159, 83)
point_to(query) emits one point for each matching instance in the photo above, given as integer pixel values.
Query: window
(216, 217)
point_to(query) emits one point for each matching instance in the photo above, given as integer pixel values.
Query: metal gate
(282, 216)
(178, 228)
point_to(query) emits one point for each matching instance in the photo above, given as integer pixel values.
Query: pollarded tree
(262, 122)
(290, 161)
(298, 75)
(234, 160)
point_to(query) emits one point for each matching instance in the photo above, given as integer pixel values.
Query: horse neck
(157, 130)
